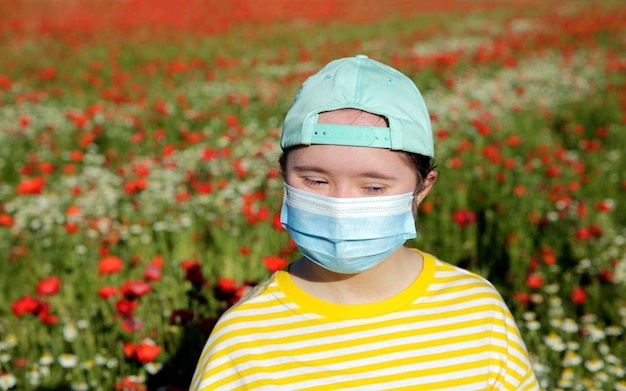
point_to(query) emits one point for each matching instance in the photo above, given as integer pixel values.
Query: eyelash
(375, 190)
(313, 182)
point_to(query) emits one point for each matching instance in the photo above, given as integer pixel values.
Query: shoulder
(452, 288)
(468, 297)
(447, 275)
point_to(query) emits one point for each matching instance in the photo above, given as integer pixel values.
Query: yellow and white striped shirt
(449, 330)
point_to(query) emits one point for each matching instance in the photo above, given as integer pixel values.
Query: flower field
(140, 190)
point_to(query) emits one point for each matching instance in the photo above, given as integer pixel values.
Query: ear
(424, 189)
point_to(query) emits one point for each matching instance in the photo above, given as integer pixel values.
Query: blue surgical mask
(347, 235)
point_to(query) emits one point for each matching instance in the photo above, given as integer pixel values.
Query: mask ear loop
(414, 205)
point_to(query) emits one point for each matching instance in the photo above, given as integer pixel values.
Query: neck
(381, 282)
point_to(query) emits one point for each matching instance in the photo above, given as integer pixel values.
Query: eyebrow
(367, 174)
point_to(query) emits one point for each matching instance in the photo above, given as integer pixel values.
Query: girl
(360, 310)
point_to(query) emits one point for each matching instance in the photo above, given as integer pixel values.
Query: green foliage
(161, 150)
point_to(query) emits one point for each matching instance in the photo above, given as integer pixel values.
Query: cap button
(361, 56)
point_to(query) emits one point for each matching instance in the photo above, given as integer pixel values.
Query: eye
(314, 182)
(374, 189)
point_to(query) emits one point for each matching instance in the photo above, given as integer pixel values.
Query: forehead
(351, 117)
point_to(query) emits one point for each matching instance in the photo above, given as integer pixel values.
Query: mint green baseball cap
(365, 84)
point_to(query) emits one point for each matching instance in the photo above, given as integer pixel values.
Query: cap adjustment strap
(358, 136)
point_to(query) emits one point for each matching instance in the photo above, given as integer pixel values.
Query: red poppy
(519, 190)
(135, 186)
(44, 314)
(147, 351)
(49, 286)
(130, 383)
(464, 217)
(273, 173)
(455, 162)
(277, 224)
(76, 156)
(129, 349)
(131, 325)
(157, 262)
(534, 281)
(135, 288)
(273, 263)
(107, 292)
(47, 73)
(142, 169)
(203, 187)
(513, 141)
(152, 273)
(168, 150)
(481, 127)
(579, 296)
(25, 305)
(193, 272)
(5, 82)
(209, 154)
(71, 228)
(426, 207)
(548, 255)
(6, 220)
(46, 167)
(492, 152)
(582, 234)
(69, 169)
(87, 139)
(595, 230)
(602, 132)
(182, 196)
(553, 172)
(241, 292)
(521, 297)
(606, 275)
(188, 264)
(226, 284)
(31, 186)
(240, 168)
(125, 307)
(110, 265)
(72, 210)
(573, 187)
(604, 206)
